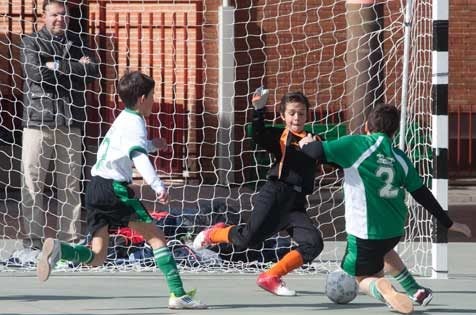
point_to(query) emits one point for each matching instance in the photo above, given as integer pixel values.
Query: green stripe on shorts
(121, 192)
(350, 258)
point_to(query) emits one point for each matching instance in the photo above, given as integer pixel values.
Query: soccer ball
(341, 288)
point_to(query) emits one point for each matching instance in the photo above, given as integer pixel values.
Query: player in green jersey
(376, 176)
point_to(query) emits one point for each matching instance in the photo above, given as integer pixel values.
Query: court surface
(121, 293)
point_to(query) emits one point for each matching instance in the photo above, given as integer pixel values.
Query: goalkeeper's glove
(260, 97)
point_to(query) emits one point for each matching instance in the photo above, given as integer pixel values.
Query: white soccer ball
(341, 288)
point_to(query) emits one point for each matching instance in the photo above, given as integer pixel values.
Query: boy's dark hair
(132, 86)
(48, 2)
(293, 97)
(384, 118)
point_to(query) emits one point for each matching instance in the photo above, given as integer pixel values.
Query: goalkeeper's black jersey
(290, 164)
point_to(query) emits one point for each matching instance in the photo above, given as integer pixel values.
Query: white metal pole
(226, 94)
(405, 70)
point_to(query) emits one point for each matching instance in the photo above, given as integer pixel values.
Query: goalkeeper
(281, 202)
(109, 200)
(376, 176)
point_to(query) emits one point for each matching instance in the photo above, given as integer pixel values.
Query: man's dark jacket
(47, 91)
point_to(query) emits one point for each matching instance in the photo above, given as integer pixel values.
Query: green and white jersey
(376, 176)
(127, 134)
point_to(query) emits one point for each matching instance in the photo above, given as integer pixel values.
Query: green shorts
(366, 257)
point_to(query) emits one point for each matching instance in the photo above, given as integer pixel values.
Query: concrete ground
(145, 293)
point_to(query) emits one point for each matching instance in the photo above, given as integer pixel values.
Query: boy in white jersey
(376, 176)
(109, 200)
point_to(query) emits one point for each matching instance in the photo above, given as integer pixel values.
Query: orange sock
(289, 262)
(220, 235)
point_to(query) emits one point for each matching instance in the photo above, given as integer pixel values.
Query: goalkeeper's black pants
(278, 206)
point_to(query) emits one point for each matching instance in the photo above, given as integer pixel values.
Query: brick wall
(462, 55)
(462, 89)
(283, 51)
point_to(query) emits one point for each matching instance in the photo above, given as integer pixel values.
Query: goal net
(207, 57)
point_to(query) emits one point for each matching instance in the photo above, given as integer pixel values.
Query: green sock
(166, 263)
(76, 253)
(374, 292)
(407, 281)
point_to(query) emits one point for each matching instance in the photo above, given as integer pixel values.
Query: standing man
(57, 66)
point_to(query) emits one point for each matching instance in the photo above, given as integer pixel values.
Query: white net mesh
(344, 57)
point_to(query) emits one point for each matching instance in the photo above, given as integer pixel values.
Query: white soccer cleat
(50, 255)
(397, 301)
(202, 240)
(185, 302)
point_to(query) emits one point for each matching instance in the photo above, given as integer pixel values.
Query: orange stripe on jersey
(282, 144)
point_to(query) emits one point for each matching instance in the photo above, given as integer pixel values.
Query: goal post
(226, 91)
(439, 80)
(207, 58)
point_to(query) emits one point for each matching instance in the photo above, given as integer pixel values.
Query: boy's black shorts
(112, 203)
(366, 257)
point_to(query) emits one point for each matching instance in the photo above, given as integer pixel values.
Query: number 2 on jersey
(387, 174)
